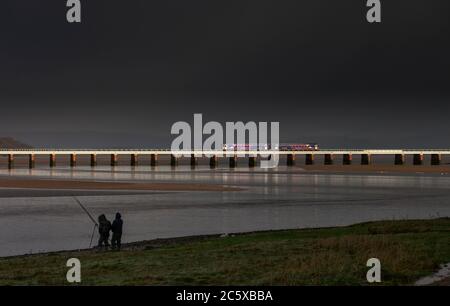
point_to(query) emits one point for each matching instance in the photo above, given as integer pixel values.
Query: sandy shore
(92, 185)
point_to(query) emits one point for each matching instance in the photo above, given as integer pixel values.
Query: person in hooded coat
(104, 227)
(117, 232)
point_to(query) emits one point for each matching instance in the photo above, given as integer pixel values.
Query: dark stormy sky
(132, 68)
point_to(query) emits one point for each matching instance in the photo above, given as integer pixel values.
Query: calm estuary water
(47, 220)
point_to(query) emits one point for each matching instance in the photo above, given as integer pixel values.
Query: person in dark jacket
(104, 227)
(117, 232)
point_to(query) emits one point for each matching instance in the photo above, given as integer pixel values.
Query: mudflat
(103, 185)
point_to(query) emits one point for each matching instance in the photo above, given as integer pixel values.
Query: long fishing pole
(90, 217)
(86, 211)
(92, 236)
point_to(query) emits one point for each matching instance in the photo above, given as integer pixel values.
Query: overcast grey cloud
(132, 68)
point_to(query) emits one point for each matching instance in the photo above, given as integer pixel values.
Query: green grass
(407, 250)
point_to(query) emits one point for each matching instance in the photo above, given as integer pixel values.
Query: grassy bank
(407, 250)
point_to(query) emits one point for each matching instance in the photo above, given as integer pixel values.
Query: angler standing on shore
(117, 232)
(103, 229)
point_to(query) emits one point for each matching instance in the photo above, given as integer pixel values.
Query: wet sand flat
(95, 185)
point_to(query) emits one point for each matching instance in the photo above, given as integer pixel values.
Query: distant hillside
(11, 143)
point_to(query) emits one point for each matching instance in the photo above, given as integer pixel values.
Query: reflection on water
(284, 198)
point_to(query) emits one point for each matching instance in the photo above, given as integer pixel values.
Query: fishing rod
(90, 217)
(92, 236)
(86, 211)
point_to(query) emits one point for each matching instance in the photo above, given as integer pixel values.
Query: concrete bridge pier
(93, 160)
(418, 159)
(233, 161)
(133, 160)
(328, 159)
(73, 160)
(347, 159)
(194, 161)
(173, 160)
(10, 161)
(399, 159)
(114, 160)
(436, 159)
(290, 160)
(52, 160)
(31, 161)
(153, 160)
(366, 159)
(252, 162)
(309, 159)
(213, 161)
